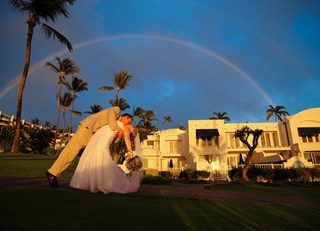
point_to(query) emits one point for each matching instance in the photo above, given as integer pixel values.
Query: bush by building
(277, 175)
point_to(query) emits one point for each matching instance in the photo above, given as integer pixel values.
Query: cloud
(274, 43)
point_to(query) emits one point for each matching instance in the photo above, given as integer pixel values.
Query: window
(307, 155)
(174, 146)
(310, 138)
(203, 141)
(313, 157)
(304, 139)
(267, 135)
(309, 134)
(150, 143)
(237, 141)
(269, 139)
(263, 140)
(231, 138)
(233, 142)
(207, 137)
(275, 139)
(232, 161)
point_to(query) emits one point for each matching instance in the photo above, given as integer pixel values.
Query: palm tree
(220, 116)
(121, 103)
(147, 117)
(243, 134)
(181, 127)
(77, 85)
(166, 120)
(137, 112)
(145, 126)
(65, 101)
(94, 109)
(277, 111)
(48, 124)
(65, 67)
(37, 10)
(35, 121)
(121, 81)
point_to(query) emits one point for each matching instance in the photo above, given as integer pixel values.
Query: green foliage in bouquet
(134, 163)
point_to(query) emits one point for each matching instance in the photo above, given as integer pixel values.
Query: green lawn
(28, 165)
(306, 190)
(64, 209)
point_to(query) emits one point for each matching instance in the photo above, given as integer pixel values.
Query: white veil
(137, 146)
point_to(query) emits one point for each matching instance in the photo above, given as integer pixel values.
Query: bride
(97, 171)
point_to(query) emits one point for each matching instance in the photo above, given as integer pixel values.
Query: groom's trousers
(78, 141)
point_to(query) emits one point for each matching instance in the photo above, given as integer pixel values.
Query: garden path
(197, 191)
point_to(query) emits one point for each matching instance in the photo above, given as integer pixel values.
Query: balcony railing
(269, 166)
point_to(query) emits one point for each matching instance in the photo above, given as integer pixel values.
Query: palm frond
(269, 115)
(18, 5)
(105, 88)
(77, 113)
(51, 32)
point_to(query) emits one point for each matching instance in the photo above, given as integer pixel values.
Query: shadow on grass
(50, 209)
(38, 208)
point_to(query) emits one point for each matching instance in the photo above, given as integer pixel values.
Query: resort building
(211, 145)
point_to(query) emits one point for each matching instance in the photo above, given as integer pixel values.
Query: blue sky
(188, 58)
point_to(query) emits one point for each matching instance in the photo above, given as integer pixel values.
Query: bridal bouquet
(133, 163)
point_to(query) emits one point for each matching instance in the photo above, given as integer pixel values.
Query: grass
(28, 165)
(305, 190)
(31, 208)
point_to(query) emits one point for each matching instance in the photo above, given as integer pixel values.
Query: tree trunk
(71, 112)
(16, 140)
(58, 113)
(247, 164)
(244, 173)
(64, 125)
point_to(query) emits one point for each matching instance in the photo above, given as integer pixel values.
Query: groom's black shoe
(53, 181)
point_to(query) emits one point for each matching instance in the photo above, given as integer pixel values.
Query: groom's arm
(113, 117)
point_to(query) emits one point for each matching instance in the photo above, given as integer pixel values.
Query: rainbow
(16, 80)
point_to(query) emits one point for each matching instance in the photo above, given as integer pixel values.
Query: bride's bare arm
(126, 136)
(118, 134)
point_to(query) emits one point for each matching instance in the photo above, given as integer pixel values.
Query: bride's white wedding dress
(96, 170)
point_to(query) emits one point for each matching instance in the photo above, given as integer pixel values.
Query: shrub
(253, 173)
(314, 173)
(302, 175)
(35, 139)
(277, 175)
(151, 171)
(155, 180)
(280, 175)
(165, 174)
(187, 174)
(235, 174)
(175, 173)
(201, 174)
(6, 138)
(260, 174)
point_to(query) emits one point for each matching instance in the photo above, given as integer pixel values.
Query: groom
(86, 128)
